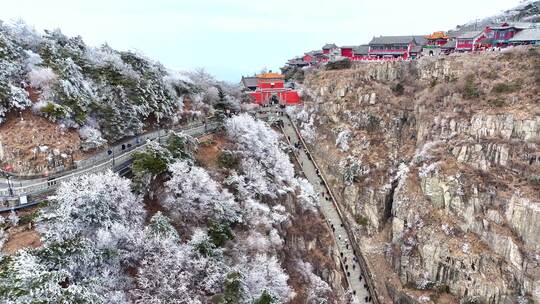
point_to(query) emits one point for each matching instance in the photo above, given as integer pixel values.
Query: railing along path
(354, 241)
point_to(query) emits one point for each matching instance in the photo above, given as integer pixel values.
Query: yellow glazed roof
(437, 35)
(269, 75)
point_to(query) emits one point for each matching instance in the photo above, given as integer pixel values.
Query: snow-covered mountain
(526, 11)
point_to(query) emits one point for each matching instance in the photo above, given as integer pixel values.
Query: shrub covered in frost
(92, 138)
(342, 140)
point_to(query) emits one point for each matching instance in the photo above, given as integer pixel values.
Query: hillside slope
(100, 93)
(527, 11)
(231, 222)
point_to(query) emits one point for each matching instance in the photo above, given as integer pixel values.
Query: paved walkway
(348, 258)
(20, 188)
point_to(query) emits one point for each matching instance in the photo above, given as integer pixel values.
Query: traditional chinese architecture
(330, 48)
(298, 62)
(347, 51)
(420, 40)
(526, 37)
(391, 46)
(361, 51)
(499, 36)
(270, 89)
(314, 56)
(249, 83)
(469, 41)
(437, 39)
(449, 47)
(434, 43)
(415, 51)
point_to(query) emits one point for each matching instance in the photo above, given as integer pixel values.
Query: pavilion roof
(437, 35)
(249, 81)
(270, 76)
(451, 44)
(420, 39)
(527, 35)
(470, 35)
(361, 49)
(392, 40)
(329, 46)
(516, 25)
(313, 53)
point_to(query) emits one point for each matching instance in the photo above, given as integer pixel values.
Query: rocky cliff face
(437, 162)
(308, 238)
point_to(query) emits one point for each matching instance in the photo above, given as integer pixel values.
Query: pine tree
(119, 117)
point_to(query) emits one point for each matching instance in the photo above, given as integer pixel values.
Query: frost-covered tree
(307, 197)
(263, 273)
(160, 228)
(264, 162)
(305, 119)
(118, 115)
(73, 90)
(201, 78)
(342, 140)
(319, 291)
(9, 50)
(89, 205)
(91, 137)
(351, 169)
(24, 34)
(90, 235)
(172, 272)
(156, 157)
(93, 230)
(43, 79)
(194, 196)
(12, 96)
(151, 91)
(13, 218)
(25, 279)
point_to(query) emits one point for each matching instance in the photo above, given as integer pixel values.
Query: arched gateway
(271, 89)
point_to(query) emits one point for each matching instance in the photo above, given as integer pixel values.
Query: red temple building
(499, 36)
(437, 39)
(469, 41)
(330, 48)
(391, 46)
(347, 51)
(271, 89)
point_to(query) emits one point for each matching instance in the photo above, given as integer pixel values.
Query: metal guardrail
(118, 155)
(97, 158)
(111, 163)
(361, 261)
(342, 264)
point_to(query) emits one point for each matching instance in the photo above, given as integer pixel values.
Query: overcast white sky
(234, 37)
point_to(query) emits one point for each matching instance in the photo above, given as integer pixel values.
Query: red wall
(326, 51)
(292, 97)
(403, 53)
(307, 58)
(257, 96)
(347, 52)
(504, 35)
(288, 97)
(464, 44)
(268, 85)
